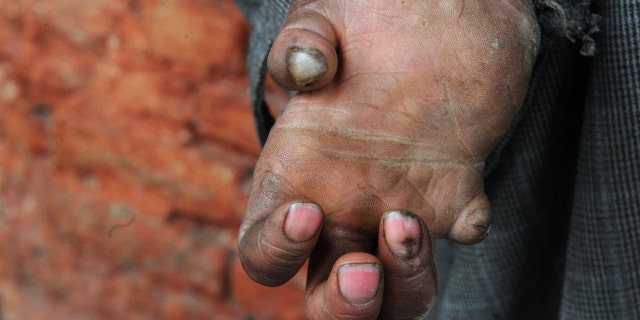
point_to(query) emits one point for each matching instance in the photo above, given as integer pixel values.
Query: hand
(407, 102)
(398, 281)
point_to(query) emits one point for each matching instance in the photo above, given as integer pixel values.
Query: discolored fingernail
(306, 65)
(403, 234)
(303, 221)
(359, 282)
(473, 226)
(483, 229)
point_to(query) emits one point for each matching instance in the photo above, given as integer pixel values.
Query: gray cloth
(266, 18)
(564, 183)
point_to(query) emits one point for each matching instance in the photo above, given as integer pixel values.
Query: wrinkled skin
(417, 95)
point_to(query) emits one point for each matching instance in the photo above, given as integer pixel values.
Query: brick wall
(126, 151)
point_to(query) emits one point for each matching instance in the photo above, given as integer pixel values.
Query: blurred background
(126, 152)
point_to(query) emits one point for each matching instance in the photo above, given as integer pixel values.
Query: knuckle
(267, 263)
(254, 270)
(279, 257)
(271, 264)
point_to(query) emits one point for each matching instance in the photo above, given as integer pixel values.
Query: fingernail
(403, 234)
(473, 226)
(359, 282)
(306, 65)
(479, 220)
(303, 221)
(484, 229)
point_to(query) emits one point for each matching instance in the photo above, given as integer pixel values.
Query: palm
(423, 94)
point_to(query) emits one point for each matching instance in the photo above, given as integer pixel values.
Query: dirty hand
(400, 104)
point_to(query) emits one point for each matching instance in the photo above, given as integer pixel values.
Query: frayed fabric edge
(572, 20)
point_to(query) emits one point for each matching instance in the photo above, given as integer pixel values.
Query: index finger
(273, 249)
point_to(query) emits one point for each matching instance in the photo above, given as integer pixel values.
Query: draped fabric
(266, 18)
(564, 183)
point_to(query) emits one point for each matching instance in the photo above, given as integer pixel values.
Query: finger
(336, 241)
(352, 291)
(410, 276)
(273, 249)
(474, 223)
(303, 56)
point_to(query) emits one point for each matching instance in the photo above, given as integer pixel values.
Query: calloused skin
(416, 96)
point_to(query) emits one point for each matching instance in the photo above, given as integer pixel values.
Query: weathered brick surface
(126, 151)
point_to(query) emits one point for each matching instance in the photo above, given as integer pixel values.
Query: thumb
(303, 56)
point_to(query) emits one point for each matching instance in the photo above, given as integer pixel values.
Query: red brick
(204, 35)
(285, 302)
(224, 114)
(85, 23)
(126, 147)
